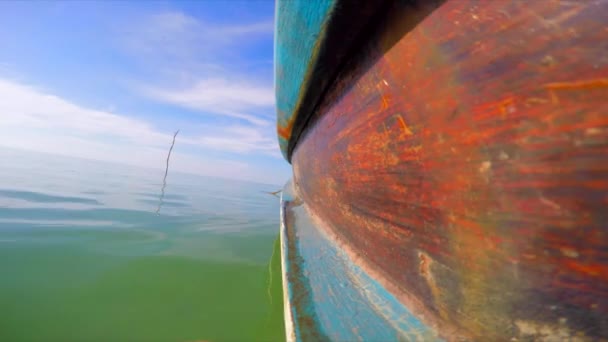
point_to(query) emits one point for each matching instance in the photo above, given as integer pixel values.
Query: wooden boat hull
(329, 296)
(464, 170)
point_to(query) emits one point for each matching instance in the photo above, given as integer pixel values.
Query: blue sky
(113, 80)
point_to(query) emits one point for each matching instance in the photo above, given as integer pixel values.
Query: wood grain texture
(318, 42)
(467, 170)
(296, 41)
(328, 296)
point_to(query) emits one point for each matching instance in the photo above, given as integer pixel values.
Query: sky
(112, 81)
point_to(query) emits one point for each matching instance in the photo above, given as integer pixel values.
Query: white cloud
(169, 58)
(25, 107)
(175, 22)
(175, 39)
(35, 120)
(194, 65)
(240, 139)
(220, 96)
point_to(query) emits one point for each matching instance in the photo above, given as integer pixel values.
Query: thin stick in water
(162, 192)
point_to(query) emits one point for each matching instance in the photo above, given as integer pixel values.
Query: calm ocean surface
(85, 257)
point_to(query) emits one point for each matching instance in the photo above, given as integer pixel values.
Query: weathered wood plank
(467, 170)
(320, 45)
(329, 297)
(297, 36)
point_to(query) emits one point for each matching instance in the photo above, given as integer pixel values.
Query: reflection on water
(84, 256)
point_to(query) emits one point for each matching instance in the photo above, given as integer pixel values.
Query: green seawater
(85, 257)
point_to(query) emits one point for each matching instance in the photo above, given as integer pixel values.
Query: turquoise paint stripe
(296, 310)
(299, 25)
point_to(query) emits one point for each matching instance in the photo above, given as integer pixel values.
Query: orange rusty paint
(285, 131)
(406, 130)
(468, 168)
(579, 85)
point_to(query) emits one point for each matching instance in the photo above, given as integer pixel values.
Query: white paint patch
(289, 324)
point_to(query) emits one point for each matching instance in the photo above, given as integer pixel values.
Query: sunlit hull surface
(450, 169)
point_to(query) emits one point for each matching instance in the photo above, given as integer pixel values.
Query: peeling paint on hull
(466, 172)
(341, 302)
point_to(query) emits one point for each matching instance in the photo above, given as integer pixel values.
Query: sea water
(84, 255)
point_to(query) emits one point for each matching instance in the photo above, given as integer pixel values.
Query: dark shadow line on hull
(389, 22)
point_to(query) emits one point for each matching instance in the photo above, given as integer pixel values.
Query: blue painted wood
(299, 28)
(329, 297)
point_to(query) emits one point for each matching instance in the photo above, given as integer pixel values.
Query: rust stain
(404, 127)
(507, 106)
(536, 100)
(501, 216)
(586, 84)
(285, 131)
(426, 271)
